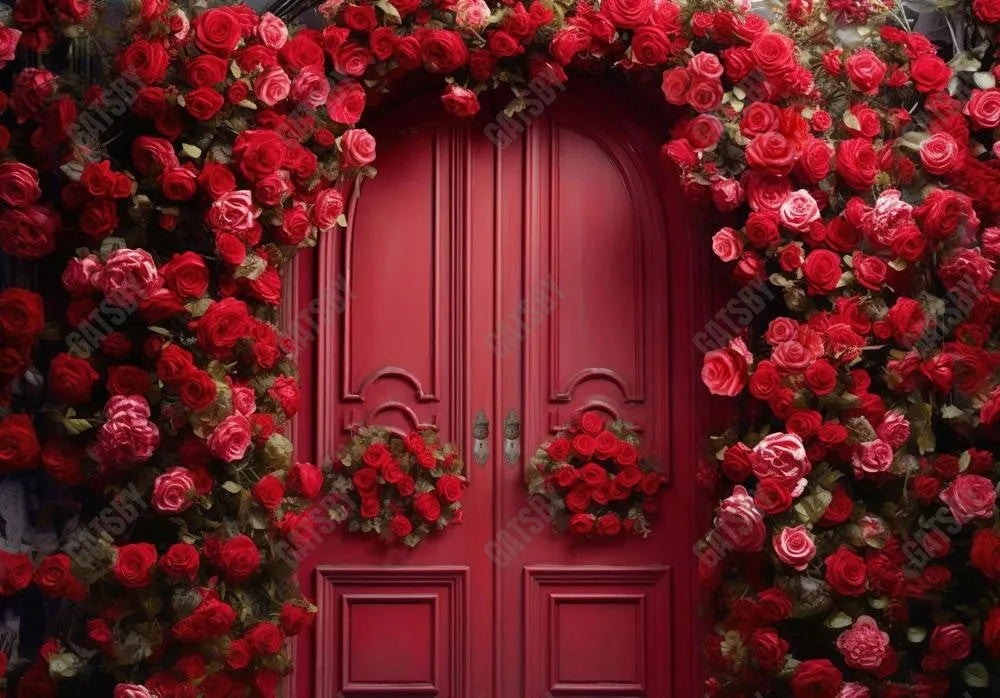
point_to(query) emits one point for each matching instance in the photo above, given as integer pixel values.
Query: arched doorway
(514, 286)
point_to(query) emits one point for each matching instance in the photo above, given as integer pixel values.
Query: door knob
(511, 438)
(481, 438)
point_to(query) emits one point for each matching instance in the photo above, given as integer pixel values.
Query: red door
(521, 285)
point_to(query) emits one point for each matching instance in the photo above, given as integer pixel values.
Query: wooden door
(530, 283)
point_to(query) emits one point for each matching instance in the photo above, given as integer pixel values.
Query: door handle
(481, 437)
(511, 438)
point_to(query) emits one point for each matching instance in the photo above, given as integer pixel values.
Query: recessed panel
(392, 631)
(598, 631)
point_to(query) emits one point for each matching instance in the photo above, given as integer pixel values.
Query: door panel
(531, 283)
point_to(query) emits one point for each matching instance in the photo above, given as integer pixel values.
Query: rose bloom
(863, 645)
(471, 14)
(233, 212)
(129, 275)
(272, 31)
(726, 245)
(127, 436)
(984, 108)
(780, 456)
(272, 86)
(799, 211)
(941, 154)
(310, 87)
(872, 457)
(172, 491)
(854, 690)
(740, 523)
(725, 371)
(230, 440)
(131, 690)
(970, 497)
(795, 547)
(357, 147)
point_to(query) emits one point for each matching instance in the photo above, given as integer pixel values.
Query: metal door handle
(512, 438)
(481, 438)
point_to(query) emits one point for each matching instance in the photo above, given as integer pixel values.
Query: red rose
(869, 270)
(18, 184)
(427, 506)
(238, 655)
(838, 510)
(186, 275)
(768, 648)
(930, 74)
(581, 524)
(443, 51)
(21, 316)
(558, 450)
(821, 377)
(239, 559)
(941, 154)
(28, 233)
(19, 447)
(627, 13)
(203, 103)
(650, 45)
(857, 163)
(865, 70)
(265, 638)
(147, 60)
(772, 497)
(357, 147)
(15, 572)
(460, 102)
(609, 524)
(578, 499)
(845, 572)
(224, 323)
(449, 488)
(822, 271)
(127, 380)
(771, 153)
(259, 152)
(952, 641)
(705, 95)
(400, 526)
(61, 459)
(773, 605)
(816, 678)
(53, 578)
(71, 379)
(773, 53)
(305, 479)
(217, 31)
(584, 445)
(294, 619)
(984, 107)
(152, 155)
(269, 492)
(134, 565)
(985, 553)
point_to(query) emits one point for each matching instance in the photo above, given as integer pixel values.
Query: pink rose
(471, 14)
(233, 212)
(894, 429)
(970, 497)
(705, 66)
(244, 399)
(80, 277)
(8, 43)
(798, 211)
(726, 245)
(872, 457)
(172, 491)
(863, 645)
(725, 371)
(128, 275)
(131, 690)
(231, 438)
(127, 436)
(792, 357)
(271, 31)
(795, 547)
(272, 86)
(727, 194)
(327, 208)
(357, 147)
(740, 523)
(854, 690)
(310, 87)
(780, 456)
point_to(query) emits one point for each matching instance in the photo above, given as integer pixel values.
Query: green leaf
(233, 487)
(976, 675)
(390, 11)
(76, 426)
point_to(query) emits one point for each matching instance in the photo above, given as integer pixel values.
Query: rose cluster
(596, 479)
(401, 488)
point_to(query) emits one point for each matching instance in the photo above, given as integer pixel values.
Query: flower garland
(861, 172)
(593, 476)
(401, 488)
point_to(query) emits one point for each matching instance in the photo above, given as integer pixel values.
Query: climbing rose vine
(855, 549)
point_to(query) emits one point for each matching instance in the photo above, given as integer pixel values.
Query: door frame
(690, 260)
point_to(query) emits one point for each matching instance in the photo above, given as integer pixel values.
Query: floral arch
(147, 395)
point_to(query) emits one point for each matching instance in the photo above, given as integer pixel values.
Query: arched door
(522, 285)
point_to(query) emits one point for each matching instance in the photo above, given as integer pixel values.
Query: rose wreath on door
(400, 488)
(597, 482)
